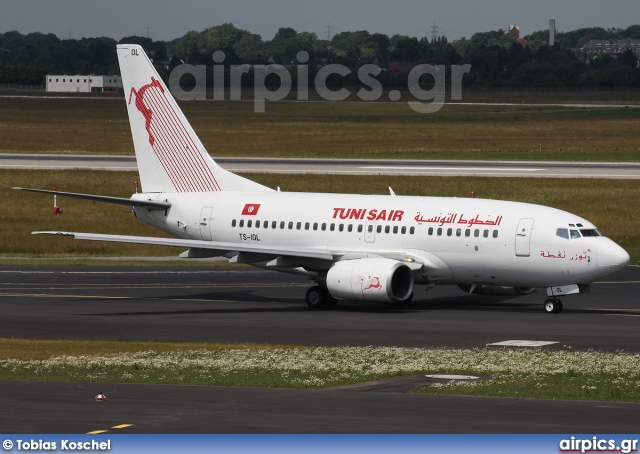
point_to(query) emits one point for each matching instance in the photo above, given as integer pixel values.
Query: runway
(41, 407)
(241, 304)
(528, 169)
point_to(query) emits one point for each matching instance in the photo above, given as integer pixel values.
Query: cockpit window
(563, 233)
(574, 234)
(589, 232)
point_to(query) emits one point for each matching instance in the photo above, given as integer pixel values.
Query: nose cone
(611, 257)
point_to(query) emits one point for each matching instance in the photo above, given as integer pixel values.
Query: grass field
(537, 373)
(336, 130)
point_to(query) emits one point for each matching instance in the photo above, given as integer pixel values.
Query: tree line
(497, 58)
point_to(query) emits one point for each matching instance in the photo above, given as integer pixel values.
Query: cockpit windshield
(574, 233)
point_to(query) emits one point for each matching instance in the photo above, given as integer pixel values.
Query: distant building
(611, 46)
(83, 84)
(398, 67)
(514, 30)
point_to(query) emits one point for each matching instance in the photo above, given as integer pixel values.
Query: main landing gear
(320, 298)
(552, 305)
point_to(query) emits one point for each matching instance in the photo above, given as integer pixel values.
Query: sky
(169, 19)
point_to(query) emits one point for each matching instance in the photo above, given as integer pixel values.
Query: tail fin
(170, 156)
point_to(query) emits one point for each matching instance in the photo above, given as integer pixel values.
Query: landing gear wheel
(552, 306)
(319, 298)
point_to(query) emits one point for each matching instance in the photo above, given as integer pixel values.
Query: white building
(83, 84)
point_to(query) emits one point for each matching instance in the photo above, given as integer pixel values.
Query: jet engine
(370, 279)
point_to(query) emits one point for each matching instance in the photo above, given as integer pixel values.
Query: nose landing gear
(552, 305)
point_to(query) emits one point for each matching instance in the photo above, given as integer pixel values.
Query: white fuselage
(465, 241)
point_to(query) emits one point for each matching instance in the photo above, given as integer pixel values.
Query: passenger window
(306, 226)
(379, 229)
(370, 229)
(574, 234)
(350, 228)
(241, 222)
(430, 232)
(476, 233)
(290, 225)
(332, 227)
(403, 230)
(282, 224)
(439, 231)
(315, 226)
(412, 230)
(449, 232)
(257, 224)
(360, 228)
(324, 226)
(341, 227)
(298, 225)
(387, 229)
(485, 234)
(266, 224)
(249, 223)
(467, 232)
(495, 234)
(233, 223)
(459, 232)
(563, 233)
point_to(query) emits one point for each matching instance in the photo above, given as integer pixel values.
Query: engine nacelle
(370, 279)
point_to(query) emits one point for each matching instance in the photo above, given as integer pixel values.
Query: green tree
(628, 58)
(161, 52)
(404, 48)
(285, 33)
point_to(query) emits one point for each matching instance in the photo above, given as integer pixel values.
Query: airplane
(353, 247)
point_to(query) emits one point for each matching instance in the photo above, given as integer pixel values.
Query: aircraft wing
(149, 204)
(199, 244)
(417, 260)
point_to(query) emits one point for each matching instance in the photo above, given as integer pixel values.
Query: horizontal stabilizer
(149, 204)
(217, 245)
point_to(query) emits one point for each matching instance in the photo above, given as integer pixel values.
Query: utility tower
(435, 31)
(327, 30)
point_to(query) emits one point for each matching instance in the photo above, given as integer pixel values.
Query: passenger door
(523, 237)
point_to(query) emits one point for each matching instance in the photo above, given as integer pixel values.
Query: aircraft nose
(611, 257)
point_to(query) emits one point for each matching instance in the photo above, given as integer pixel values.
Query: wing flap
(276, 251)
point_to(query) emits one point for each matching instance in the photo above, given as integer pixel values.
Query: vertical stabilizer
(170, 156)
